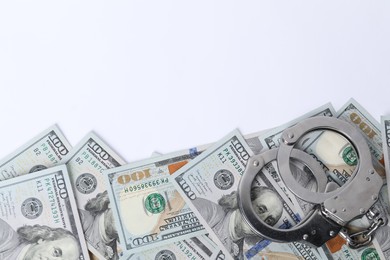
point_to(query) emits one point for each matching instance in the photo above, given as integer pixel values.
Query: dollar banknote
(143, 191)
(358, 116)
(195, 248)
(86, 163)
(39, 218)
(45, 150)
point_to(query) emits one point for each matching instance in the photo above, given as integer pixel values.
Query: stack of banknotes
(86, 202)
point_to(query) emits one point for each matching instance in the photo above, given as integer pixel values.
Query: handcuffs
(333, 208)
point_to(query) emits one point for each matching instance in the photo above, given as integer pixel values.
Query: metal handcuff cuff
(334, 208)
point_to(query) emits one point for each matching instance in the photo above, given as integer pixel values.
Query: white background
(167, 75)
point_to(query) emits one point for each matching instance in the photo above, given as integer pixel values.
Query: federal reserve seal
(37, 168)
(32, 208)
(370, 254)
(155, 203)
(223, 179)
(86, 183)
(165, 255)
(350, 156)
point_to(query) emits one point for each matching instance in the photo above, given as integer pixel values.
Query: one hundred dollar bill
(195, 248)
(369, 127)
(143, 191)
(209, 184)
(39, 218)
(86, 163)
(44, 151)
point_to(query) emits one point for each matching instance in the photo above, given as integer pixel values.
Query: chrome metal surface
(335, 206)
(357, 195)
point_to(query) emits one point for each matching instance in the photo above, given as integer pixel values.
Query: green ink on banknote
(349, 156)
(370, 254)
(155, 203)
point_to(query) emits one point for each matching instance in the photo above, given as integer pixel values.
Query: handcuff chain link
(362, 238)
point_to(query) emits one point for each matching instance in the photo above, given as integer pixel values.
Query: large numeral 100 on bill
(135, 176)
